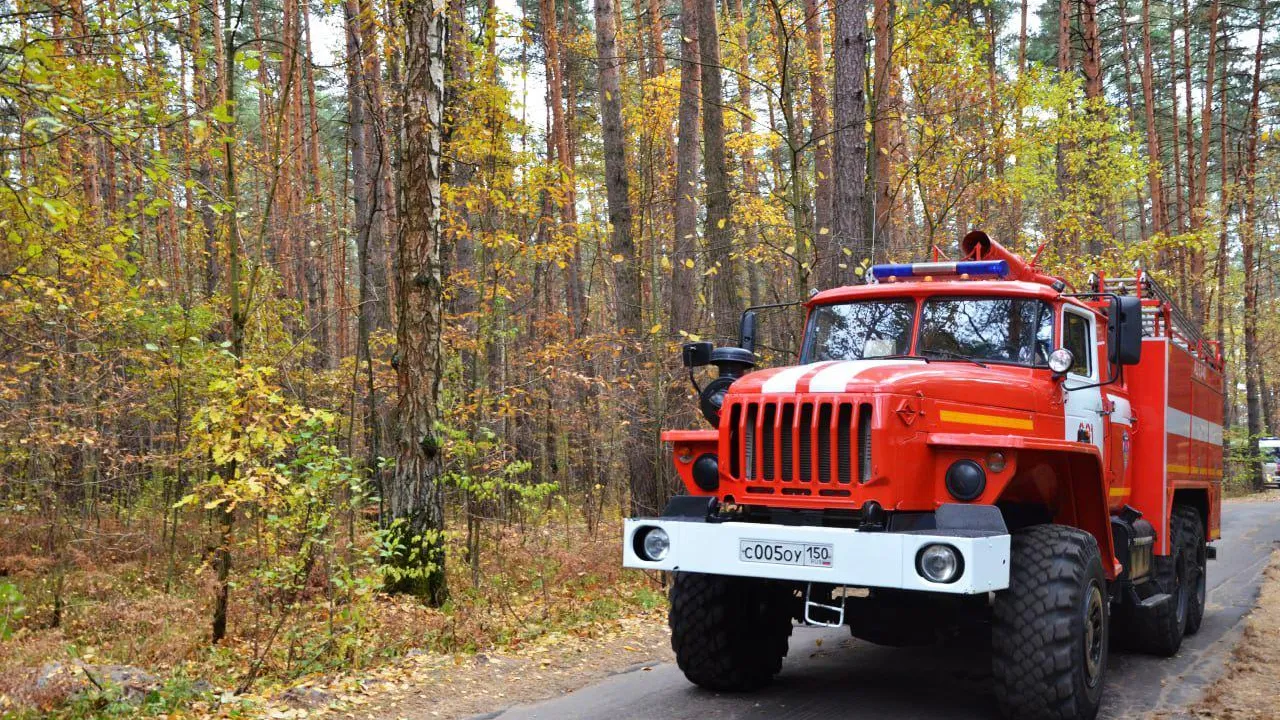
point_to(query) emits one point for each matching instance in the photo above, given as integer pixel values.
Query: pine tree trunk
(885, 99)
(821, 125)
(1254, 383)
(750, 175)
(643, 480)
(1064, 36)
(684, 245)
(1159, 217)
(719, 232)
(1091, 60)
(1127, 58)
(1178, 218)
(415, 495)
(849, 223)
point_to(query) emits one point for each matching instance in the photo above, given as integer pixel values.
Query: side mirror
(696, 354)
(747, 331)
(1126, 331)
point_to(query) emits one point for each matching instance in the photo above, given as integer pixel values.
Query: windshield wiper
(947, 354)
(899, 356)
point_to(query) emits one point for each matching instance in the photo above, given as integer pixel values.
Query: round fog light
(706, 472)
(655, 544)
(939, 563)
(966, 480)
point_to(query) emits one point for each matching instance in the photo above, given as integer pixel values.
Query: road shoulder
(1248, 688)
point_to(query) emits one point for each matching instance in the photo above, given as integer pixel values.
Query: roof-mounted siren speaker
(977, 245)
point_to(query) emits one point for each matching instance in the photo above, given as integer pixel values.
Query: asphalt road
(829, 675)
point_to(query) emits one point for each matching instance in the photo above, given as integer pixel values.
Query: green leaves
(12, 609)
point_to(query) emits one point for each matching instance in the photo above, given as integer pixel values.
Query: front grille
(789, 441)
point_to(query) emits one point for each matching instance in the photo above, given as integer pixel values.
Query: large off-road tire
(1159, 631)
(1194, 544)
(1049, 628)
(729, 633)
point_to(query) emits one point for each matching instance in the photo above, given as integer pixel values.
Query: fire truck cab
(963, 447)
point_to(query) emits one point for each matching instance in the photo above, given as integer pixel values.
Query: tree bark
(719, 232)
(1064, 36)
(821, 141)
(1127, 59)
(849, 224)
(235, 306)
(415, 496)
(684, 245)
(1178, 218)
(884, 125)
(1159, 221)
(1248, 243)
(1091, 60)
(750, 175)
(643, 479)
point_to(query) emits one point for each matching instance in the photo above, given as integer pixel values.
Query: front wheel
(1049, 631)
(729, 633)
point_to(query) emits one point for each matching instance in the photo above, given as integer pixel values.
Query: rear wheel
(729, 633)
(1159, 630)
(1049, 632)
(1194, 546)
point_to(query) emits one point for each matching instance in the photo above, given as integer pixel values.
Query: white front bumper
(861, 559)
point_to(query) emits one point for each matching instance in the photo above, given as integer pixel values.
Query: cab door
(1084, 409)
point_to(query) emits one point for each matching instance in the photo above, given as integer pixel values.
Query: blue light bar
(981, 268)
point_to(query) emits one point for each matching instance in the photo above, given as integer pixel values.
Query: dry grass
(548, 579)
(1250, 689)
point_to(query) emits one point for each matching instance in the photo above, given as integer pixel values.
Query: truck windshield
(858, 330)
(1008, 330)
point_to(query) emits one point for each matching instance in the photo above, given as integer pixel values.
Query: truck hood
(1012, 387)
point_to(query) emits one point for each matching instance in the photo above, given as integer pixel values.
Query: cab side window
(1075, 337)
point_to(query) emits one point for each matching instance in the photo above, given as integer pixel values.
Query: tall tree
(685, 223)
(849, 223)
(227, 45)
(415, 496)
(885, 99)
(1159, 221)
(643, 479)
(823, 171)
(1064, 36)
(719, 233)
(1126, 55)
(1254, 384)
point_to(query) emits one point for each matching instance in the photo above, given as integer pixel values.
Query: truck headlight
(1061, 360)
(652, 544)
(939, 563)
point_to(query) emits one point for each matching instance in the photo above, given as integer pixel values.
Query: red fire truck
(963, 447)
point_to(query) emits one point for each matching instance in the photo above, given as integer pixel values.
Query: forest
(335, 329)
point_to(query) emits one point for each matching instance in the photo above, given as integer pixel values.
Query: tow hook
(810, 605)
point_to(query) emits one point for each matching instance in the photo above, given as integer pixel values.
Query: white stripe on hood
(833, 378)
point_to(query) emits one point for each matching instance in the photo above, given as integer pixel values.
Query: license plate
(786, 553)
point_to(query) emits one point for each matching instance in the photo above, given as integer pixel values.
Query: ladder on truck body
(1161, 316)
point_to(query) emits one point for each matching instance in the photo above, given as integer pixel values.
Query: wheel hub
(1094, 634)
